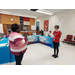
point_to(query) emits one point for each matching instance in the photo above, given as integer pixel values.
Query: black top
(42, 33)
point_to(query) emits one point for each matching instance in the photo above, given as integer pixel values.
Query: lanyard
(55, 33)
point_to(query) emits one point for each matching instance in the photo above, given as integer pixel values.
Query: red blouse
(57, 36)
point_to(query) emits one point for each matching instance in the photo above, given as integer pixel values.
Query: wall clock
(11, 19)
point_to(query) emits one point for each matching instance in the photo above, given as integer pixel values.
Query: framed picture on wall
(37, 26)
(46, 23)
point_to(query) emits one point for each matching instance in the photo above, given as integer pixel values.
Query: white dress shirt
(51, 35)
(34, 33)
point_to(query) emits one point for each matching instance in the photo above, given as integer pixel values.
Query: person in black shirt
(41, 32)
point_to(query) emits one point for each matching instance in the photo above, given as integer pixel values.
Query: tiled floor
(39, 54)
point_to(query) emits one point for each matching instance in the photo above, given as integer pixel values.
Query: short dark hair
(14, 27)
(56, 26)
(50, 31)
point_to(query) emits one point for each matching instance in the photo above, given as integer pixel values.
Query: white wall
(1, 28)
(68, 23)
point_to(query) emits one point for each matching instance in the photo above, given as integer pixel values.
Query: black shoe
(56, 56)
(53, 55)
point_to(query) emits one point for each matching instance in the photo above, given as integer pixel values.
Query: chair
(68, 39)
(73, 41)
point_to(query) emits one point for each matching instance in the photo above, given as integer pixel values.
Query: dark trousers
(56, 48)
(19, 58)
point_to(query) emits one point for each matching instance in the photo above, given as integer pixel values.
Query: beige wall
(68, 23)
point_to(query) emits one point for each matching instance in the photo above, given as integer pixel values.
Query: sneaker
(53, 55)
(56, 56)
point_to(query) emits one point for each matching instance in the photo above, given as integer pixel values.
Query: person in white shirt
(50, 34)
(34, 33)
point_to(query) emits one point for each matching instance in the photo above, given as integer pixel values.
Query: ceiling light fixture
(44, 12)
(41, 11)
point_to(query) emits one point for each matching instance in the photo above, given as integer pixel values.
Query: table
(5, 55)
(46, 40)
(33, 39)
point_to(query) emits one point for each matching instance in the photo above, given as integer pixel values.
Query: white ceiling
(31, 13)
(56, 10)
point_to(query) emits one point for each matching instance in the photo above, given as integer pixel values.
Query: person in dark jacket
(41, 32)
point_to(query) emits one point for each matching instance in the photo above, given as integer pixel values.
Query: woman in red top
(56, 40)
